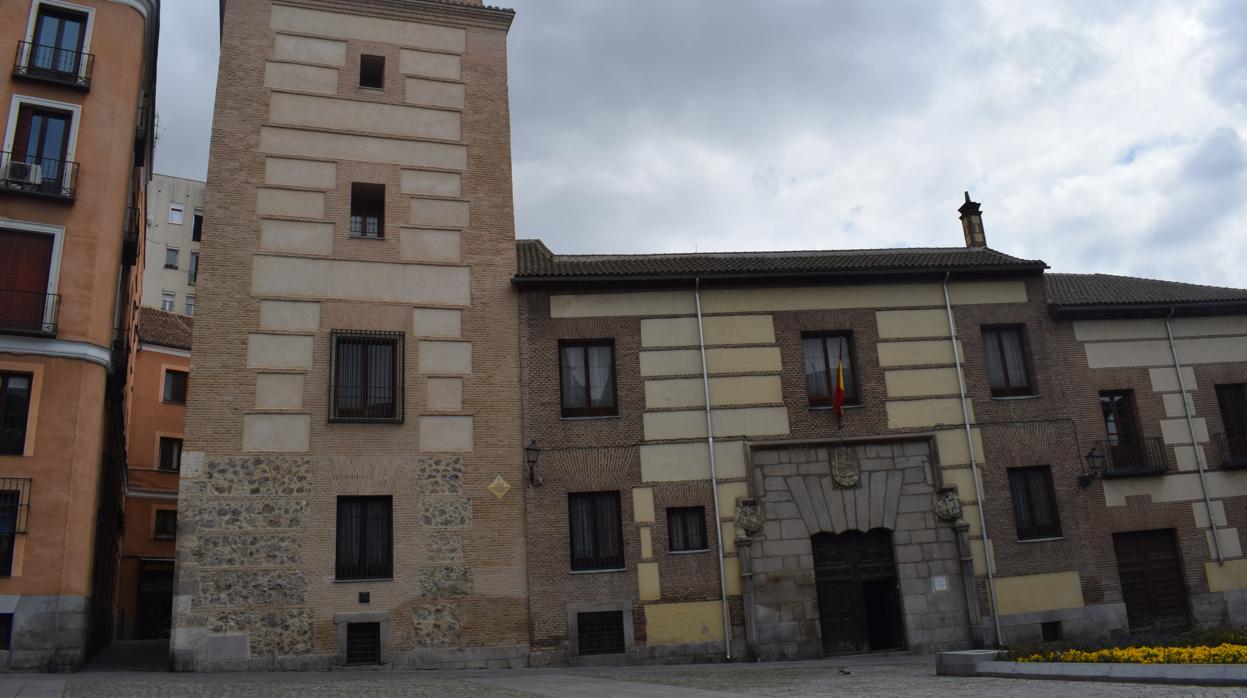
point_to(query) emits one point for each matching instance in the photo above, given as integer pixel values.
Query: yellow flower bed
(1220, 654)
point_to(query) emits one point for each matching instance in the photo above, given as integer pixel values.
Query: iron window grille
(14, 512)
(1008, 360)
(37, 175)
(170, 453)
(1231, 451)
(600, 632)
(175, 387)
(15, 390)
(366, 377)
(363, 643)
(822, 352)
(596, 532)
(367, 210)
(1144, 456)
(29, 312)
(49, 63)
(1034, 503)
(587, 378)
(365, 538)
(686, 529)
(166, 524)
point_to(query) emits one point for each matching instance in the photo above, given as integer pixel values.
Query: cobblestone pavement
(901, 675)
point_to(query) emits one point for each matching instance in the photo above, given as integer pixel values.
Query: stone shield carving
(748, 517)
(845, 471)
(948, 505)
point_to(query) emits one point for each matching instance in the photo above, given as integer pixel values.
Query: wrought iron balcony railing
(52, 64)
(28, 312)
(1144, 456)
(1228, 451)
(38, 176)
(130, 236)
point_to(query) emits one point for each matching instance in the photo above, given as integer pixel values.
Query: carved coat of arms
(748, 517)
(844, 468)
(948, 505)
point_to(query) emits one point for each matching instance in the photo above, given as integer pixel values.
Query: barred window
(824, 353)
(600, 632)
(1008, 361)
(367, 377)
(14, 510)
(1034, 503)
(596, 531)
(587, 378)
(14, 412)
(365, 547)
(363, 643)
(686, 529)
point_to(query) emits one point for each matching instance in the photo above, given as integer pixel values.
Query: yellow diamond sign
(499, 487)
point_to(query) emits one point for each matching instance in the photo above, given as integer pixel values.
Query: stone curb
(982, 663)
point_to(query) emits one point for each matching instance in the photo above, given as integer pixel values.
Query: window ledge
(366, 237)
(1005, 398)
(369, 580)
(688, 552)
(1041, 540)
(829, 408)
(613, 570)
(590, 419)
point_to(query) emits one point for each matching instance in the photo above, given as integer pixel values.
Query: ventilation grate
(601, 632)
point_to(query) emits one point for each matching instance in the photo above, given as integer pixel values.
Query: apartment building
(1008, 455)
(73, 168)
(352, 485)
(157, 413)
(175, 219)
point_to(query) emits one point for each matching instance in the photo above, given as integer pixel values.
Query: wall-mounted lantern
(1094, 462)
(531, 453)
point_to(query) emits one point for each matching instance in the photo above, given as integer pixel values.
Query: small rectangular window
(367, 376)
(367, 210)
(1008, 361)
(364, 543)
(175, 214)
(166, 524)
(1034, 503)
(828, 355)
(170, 453)
(372, 71)
(14, 511)
(6, 631)
(14, 412)
(171, 258)
(601, 632)
(596, 532)
(190, 306)
(198, 231)
(1232, 403)
(192, 270)
(686, 529)
(363, 643)
(167, 299)
(587, 378)
(175, 387)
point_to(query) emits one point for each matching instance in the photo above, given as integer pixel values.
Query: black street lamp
(1095, 460)
(531, 453)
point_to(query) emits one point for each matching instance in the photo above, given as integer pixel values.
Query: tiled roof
(537, 262)
(1073, 290)
(164, 328)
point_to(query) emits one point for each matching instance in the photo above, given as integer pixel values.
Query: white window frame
(190, 305)
(86, 33)
(181, 211)
(15, 105)
(54, 267)
(173, 301)
(177, 252)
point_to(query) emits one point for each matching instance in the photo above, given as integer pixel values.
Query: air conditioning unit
(18, 172)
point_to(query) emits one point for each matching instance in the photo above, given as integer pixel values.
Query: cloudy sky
(1099, 136)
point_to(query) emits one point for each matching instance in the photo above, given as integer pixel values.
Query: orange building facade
(77, 111)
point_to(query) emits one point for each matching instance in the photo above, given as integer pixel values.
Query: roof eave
(1107, 311)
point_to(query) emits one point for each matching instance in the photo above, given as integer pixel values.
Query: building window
(57, 45)
(198, 231)
(38, 157)
(600, 632)
(192, 271)
(1122, 426)
(363, 643)
(364, 546)
(166, 524)
(175, 214)
(25, 302)
(1008, 361)
(1034, 503)
(1232, 401)
(171, 258)
(824, 353)
(372, 71)
(14, 412)
(170, 453)
(596, 532)
(167, 299)
(367, 376)
(190, 306)
(14, 511)
(587, 378)
(686, 529)
(175, 387)
(367, 210)
(6, 631)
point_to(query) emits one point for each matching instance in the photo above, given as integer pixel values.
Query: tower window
(367, 210)
(372, 71)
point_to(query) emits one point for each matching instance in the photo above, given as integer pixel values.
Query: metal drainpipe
(974, 466)
(714, 475)
(1199, 453)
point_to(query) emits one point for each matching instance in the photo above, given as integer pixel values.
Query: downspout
(1199, 452)
(974, 466)
(714, 474)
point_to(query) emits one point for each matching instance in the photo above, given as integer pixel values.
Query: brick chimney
(972, 223)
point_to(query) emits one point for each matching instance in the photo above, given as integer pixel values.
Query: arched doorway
(858, 604)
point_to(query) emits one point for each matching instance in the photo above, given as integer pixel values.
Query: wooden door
(842, 563)
(1152, 583)
(27, 260)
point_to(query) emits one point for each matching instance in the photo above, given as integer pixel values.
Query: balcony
(38, 176)
(130, 236)
(140, 139)
(55, 65)
(28, 312)
(1228, 451)
(1146, 456)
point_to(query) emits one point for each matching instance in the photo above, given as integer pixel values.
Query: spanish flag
(837, 397)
